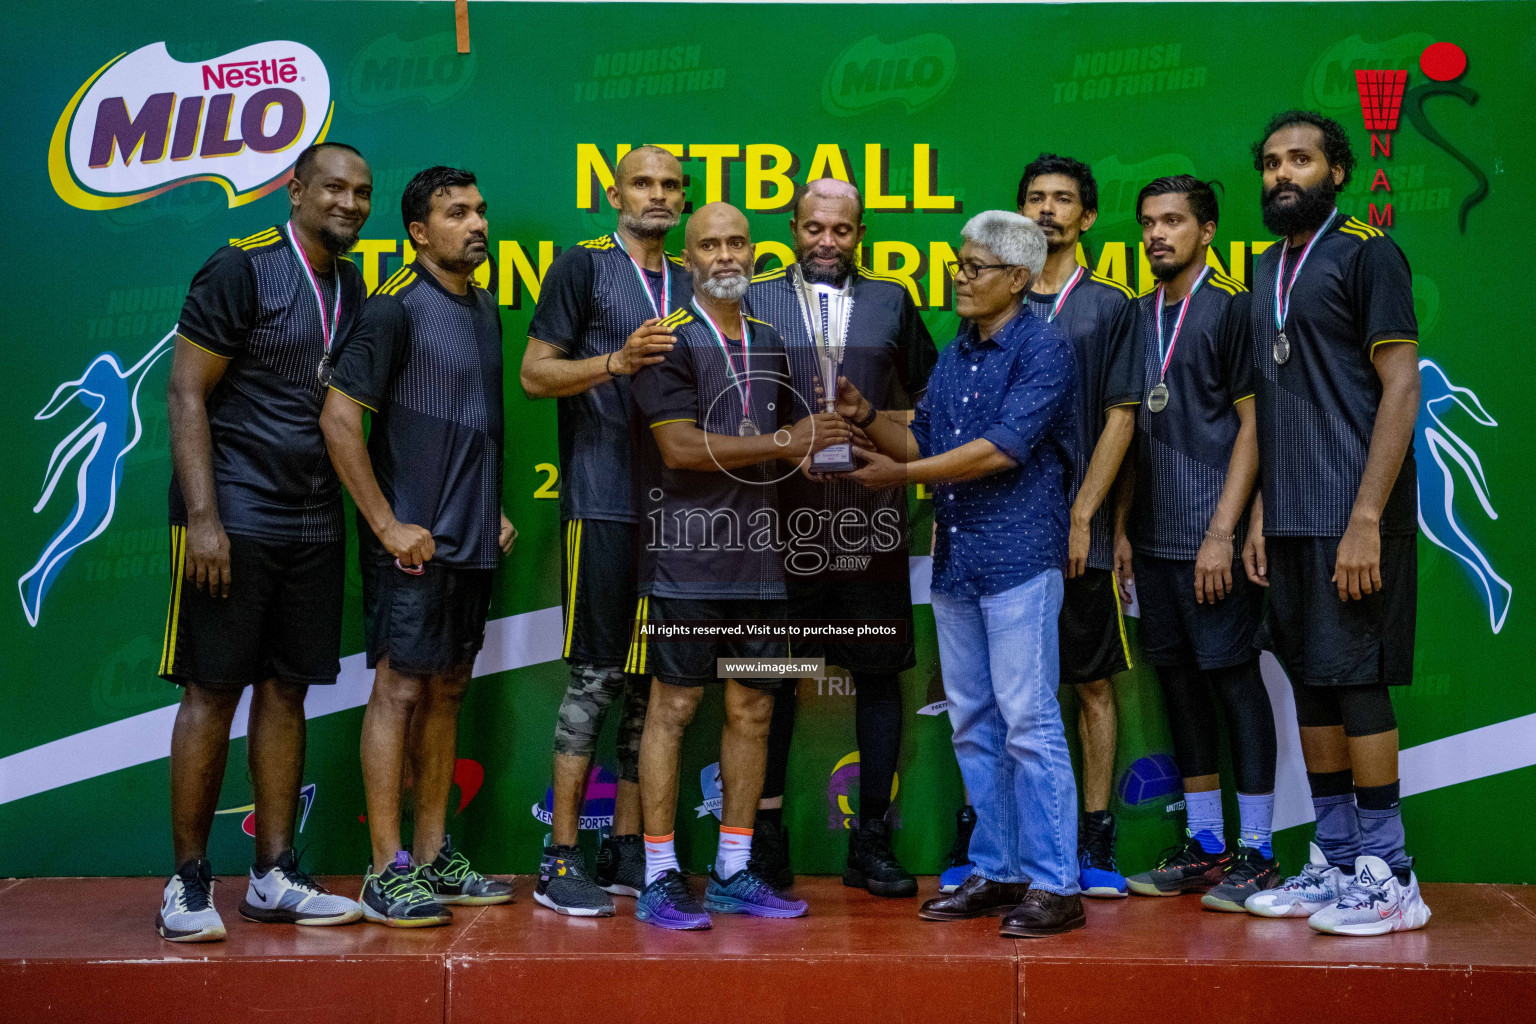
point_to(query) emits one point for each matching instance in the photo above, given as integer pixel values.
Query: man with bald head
(598, 321)
(852, 562)
(723, 432)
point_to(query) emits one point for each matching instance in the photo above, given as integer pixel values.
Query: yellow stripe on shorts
(173, 612)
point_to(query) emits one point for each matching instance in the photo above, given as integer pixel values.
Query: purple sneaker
(667, 903)
(747, 892)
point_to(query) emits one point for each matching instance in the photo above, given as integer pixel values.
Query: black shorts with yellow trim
(281, 620)
(428, 619)
(690, 662)
(597, 591)
(1177, 631)
(1092, 629)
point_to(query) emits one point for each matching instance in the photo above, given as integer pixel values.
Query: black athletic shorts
(282, 618)
(427, 620)
(882, 591)
(1093, 644)
(1178, 631)
(597, 591)
(1323, 641)
(692, 663)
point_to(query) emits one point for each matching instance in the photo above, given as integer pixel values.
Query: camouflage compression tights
(585, 707)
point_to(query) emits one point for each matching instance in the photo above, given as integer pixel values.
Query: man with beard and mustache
(719, 410)
(598, 321)
(825, 304)
(425, 361)
(1061, 195)
(1334, 526)
(257, 556)
(1196, 458)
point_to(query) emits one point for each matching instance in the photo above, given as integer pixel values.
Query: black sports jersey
(1316, 411)
(888, 357)
(1182, 452)
(591, 301)
(252, 304)
(1099, 315)
(427, 363)
(710, 534)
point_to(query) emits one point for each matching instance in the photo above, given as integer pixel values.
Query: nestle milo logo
(390, 69)
(1119, 182)
(1330, 85)
(914, 71)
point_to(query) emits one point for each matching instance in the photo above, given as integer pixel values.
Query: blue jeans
(1001, 669)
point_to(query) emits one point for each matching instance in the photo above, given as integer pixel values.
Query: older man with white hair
(993, 438)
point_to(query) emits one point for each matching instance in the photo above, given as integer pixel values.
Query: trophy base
(836, 459)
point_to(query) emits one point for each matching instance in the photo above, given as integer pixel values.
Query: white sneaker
(186, 909)
(1374, 904)
(286, 895)
(1319, 885)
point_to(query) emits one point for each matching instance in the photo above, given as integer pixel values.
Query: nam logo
(390, 70)
(96, 450)
(843, 789)
(597, 812)
(1331, 85)
(914, 72)
(145, 123)
(248, 823)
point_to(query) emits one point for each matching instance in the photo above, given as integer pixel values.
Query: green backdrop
(943, 104)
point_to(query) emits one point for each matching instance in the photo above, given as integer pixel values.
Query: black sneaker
(397, 897)
(872, 865)
(1251, 872)
(1182, 869)
(621, 865)
(565, 887)
(452, 880)
(770, 853)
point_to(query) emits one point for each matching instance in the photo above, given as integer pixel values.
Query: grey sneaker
(285, 894)
(565, 887)
(452, 880)
(621, 866)
(397, 897)
(186, 910)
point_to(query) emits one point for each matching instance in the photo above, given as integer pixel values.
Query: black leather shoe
(1043, 913)
(872, 865)
(977, 897)
(770, 853)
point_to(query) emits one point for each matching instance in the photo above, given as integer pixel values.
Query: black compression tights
(877, 718)
(1191, 695)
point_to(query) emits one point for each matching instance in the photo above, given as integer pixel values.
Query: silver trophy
(837, 458)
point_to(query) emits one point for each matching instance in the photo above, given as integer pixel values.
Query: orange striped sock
(660, 856)
(732, 853)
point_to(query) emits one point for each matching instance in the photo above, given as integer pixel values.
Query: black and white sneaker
(398, 898)
(186, 910)
(565, 887)
(621, 866)
(452, 880)
(284, 894)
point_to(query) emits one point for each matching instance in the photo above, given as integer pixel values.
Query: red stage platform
(86, 950)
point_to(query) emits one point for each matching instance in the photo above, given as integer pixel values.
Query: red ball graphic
(1443, 61)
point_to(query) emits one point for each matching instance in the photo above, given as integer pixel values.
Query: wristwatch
(873, 412)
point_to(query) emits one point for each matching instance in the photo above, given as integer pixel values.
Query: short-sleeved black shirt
(1182, 452)
(252, 304)
(1317, 410)
(711, 535)
(889, 356)
(428, 364)
(590, 302)
(1099, 316)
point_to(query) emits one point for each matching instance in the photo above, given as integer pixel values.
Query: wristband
(608, 365)
(873, 414)
(1220, 536)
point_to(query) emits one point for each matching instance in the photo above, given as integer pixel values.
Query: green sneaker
(452, 880)
(397, 897)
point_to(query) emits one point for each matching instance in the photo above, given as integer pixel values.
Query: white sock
(660, 856)
(732, 853)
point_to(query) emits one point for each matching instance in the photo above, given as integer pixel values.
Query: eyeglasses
(969, 271)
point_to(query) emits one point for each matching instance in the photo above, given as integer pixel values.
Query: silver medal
(1157, 398)
(1282, 348)
(323, 371)
(747, 428)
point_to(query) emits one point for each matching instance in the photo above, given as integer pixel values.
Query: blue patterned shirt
(1017, 389)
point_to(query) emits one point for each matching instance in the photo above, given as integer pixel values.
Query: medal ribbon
(736, 379)
(326, 329)
(1166, 355)
(1283, 304)
(1056, 306)
(666, 279)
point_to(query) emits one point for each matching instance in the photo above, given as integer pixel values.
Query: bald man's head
(647, 191)
(829, 189)
(827, 228)
(718, 251)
